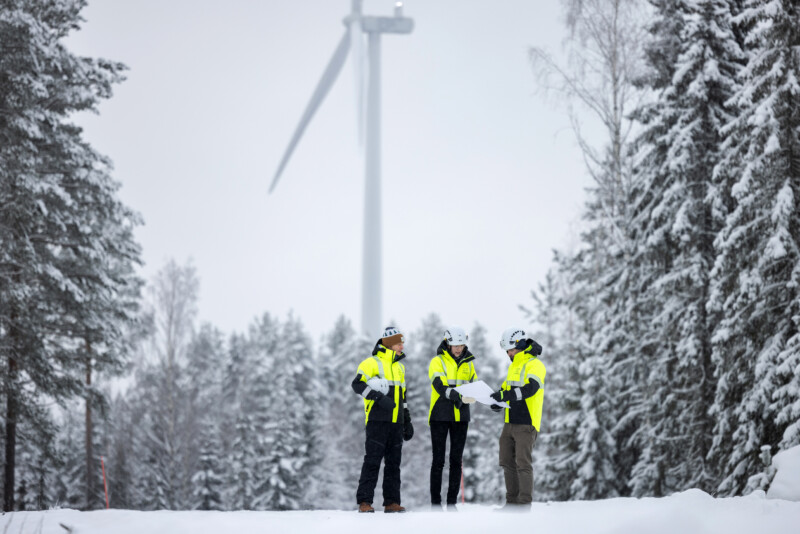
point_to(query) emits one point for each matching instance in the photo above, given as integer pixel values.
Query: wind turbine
(357, 25)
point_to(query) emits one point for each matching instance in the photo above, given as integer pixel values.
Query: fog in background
(481, 175)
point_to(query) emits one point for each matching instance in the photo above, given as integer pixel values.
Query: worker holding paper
(523, 390)
(452, 366)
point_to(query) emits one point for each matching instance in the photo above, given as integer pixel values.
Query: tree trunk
(89, 441)
(11, 435)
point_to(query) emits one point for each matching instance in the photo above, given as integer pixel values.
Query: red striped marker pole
(105, 486)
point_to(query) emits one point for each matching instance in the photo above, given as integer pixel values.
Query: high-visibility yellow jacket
(446, 373)
(384, 363)
(525, 386)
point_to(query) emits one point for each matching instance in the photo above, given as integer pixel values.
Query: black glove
(497, 395)
(386, 403)
(496, 408)
(456, 398)
(408, 430)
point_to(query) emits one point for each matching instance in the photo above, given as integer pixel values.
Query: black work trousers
(384, 443)
(458, 437)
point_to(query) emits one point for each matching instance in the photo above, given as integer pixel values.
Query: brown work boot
(365, 508)
(393, 508)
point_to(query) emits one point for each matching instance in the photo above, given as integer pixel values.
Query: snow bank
(690, 512)
(786, 484)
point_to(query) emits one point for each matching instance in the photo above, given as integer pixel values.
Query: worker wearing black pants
(452, 366)
(458, 437)
(384, 443)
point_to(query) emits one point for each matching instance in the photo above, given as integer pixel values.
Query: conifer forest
(671, 329)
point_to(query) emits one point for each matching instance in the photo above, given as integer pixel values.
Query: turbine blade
(359, 68)
(324, 85)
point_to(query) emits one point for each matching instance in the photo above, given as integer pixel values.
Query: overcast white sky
(481, 175)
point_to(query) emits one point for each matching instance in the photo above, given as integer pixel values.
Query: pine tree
(67, 246)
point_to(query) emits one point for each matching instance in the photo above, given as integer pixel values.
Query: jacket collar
(389, 353)
(466, 356)
(523, 356)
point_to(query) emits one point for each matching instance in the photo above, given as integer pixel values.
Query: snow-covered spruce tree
(203, 372)
(605, 54)
(341, 432)
(592, 350)
(121, 461)
(305, 390)
(756, 276)
(207, 480)
(289, 400)
(420, 347)
(239, 437)
(40, 463)
(483, 478)
(240, 485)
(555, 330)
(258, 398)
(65, 239)
(162, 387)
(675, 225)
(69, 486)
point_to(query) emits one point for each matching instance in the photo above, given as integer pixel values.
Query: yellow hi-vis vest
(383, 365)
(452, 375)
(523, 368)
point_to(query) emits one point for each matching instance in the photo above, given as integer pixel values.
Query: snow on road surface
(690, 512)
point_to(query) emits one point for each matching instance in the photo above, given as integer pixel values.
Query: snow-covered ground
(690, 512)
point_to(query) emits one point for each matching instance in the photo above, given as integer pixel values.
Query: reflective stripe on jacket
(384, 363)
(445, 372)
(526, 377)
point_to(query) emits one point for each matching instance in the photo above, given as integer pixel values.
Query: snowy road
(691, 512)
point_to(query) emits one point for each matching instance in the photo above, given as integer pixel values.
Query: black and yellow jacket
(446, 373)
(523, 389)
(384, 363)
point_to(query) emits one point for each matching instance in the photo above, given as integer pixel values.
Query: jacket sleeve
(440, 388)
(359, 383)
(438, 377)
(529, 389)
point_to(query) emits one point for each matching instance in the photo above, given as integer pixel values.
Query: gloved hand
(467, 400)
(455, 397)
(386, 403)
(408, 430)
(497, 395)
(381, 385)
(496, 408)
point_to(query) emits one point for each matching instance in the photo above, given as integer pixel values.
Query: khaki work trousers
(516, 451)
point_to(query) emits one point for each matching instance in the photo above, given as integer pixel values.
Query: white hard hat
(455, 335)
(379, 384)
(513, 338)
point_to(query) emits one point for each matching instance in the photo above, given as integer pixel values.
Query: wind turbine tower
(358, 28)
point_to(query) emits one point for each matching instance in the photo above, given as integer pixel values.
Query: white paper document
(479, 391)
